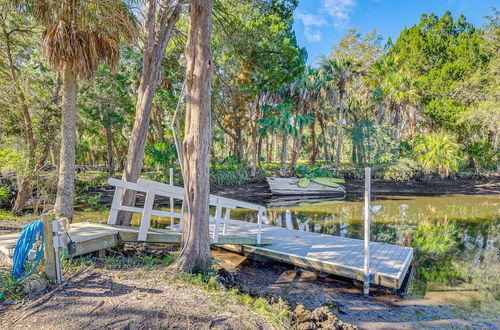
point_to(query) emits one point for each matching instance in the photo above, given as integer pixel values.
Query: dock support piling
(48, 248)
(366, 282)
(171, 182)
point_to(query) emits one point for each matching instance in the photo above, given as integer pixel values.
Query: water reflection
(456, 237)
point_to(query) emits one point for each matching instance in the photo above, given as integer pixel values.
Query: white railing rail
(153, 189)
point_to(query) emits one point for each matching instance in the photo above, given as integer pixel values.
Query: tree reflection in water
(456, 237)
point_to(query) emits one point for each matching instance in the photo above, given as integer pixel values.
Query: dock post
(366, 281)
(171, 182)
(48, 248)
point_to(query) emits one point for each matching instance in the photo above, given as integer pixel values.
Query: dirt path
(131, 299)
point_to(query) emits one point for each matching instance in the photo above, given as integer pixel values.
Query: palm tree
(337, 73)
(307, 88)
(401, 95)
(282, 120)
(79, 35)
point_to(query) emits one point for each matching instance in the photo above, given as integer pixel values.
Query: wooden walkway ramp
(330, 254)
(90, 237)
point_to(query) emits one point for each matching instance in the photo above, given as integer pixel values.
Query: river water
(456, 237)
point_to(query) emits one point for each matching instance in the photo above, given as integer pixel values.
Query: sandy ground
(130, 299)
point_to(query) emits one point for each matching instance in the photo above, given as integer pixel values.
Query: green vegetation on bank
(422, 105)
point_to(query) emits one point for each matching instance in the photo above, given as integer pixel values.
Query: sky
(319, 24)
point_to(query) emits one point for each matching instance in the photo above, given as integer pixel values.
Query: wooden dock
(91, 237)
(330, 254)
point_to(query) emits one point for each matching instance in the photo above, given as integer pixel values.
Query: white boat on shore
(288, 186)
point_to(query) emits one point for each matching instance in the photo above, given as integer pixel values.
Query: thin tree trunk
(328, 159)
(109, 147)
(296, 149)
(156, 39)
(259, 150)
(66, 183)
(341, 124)
(268, 149)
(314, 147)
(23, 194)
(197, 142)
(54, 155)
(284, 145)
(254, 138)
(24, 184)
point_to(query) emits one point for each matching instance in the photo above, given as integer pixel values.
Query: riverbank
(133, 287)
(382, 310)
(259, 190)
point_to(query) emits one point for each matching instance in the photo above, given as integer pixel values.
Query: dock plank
(332, 254)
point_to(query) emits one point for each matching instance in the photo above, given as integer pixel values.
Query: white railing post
(259, 224)
(146, 215)
(226, 218)
(171, 182)
(218, 212)
(366, 280)
(115, 205)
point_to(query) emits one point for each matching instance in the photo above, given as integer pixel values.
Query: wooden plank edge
(386, 280)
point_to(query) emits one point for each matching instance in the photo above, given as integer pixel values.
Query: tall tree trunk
(109, 147)
(284, 145)
(254, 138)
(197, 141)
(54, 155)
(156, 39)
(24, 183)
(23, 194)
(66, 183)
(259, 150)
(325, 144)
(314, 146)
(341, 124)
(269, 151)
(296, 149)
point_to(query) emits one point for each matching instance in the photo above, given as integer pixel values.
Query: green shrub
(437, 152)
(403, 169)
(482, 155)
(4, 193)
(226, 176)
(94, 203)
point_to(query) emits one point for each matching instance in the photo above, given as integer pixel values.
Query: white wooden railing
(153, 189)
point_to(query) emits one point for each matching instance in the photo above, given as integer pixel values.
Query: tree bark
(284, 145)
(254, 138)
(157, 35)
(314, 147)
(109, 147)
(296, 149)
(325, 144)
(197, 142)
(66, 182)
(341, 124)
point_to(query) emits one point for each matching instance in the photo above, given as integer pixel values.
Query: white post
(260, 215)
(115, 206)
(146, 215)
(226, 218)
(171, 182)
(218, 213)
(366, 281)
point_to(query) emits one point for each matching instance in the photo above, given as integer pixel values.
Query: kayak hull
(288, 186)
